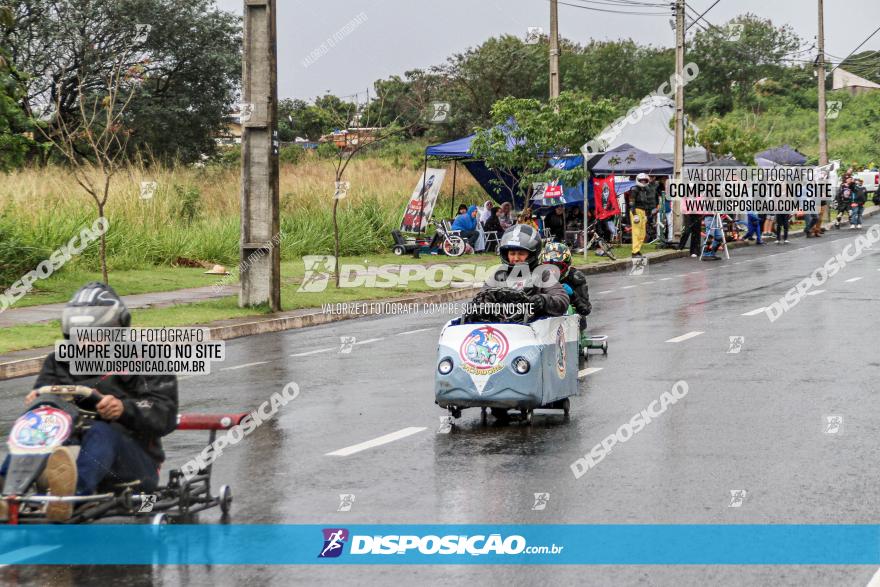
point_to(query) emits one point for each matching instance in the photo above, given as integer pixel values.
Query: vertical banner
(414, 218)
(605, 197)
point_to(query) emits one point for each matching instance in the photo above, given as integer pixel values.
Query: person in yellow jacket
(644, 199)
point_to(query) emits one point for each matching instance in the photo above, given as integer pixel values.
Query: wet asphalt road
(753, 420)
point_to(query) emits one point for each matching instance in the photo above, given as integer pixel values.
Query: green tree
(14, 143)
(733, 58)
(724, 137)
(527, 132)
(188, 64)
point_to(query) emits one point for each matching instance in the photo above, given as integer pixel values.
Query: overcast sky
(391, 36)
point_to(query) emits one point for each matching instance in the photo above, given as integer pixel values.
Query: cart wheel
(484, 416)
(398, 250)
(566, 407)
(225, 498)
(453, 246)
(527, 416)
(605, 347)
(159, 520)
(609, 252)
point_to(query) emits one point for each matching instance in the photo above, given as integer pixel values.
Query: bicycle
(600, 243)
(453, 245)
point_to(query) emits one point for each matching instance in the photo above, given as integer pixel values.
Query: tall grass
(194, 214)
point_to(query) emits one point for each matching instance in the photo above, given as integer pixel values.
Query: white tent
(652, 132)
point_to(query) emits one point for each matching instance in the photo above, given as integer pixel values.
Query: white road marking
(588, 371)
(815, 292)
(244, 366)
(753, 312)
(649, 282)
(413, 331)
(666, 279)
(350, 450)
(314, 352)
(369, 340)
(875, 580)
(22, 554)
(685, 337)
(606, 291)
(851, 279)
(627, 287)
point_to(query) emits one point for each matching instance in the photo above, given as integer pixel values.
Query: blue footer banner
(245, 544)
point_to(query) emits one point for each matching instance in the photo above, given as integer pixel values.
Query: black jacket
(553, 299)
(556, 224)
(493, 224)
(149, 401)
(859, 194)
(580, 298)
(644, 197)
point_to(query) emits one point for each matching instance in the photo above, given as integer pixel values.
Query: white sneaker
(778, 242)
(694, 256)
(785, 241)
(852, 226)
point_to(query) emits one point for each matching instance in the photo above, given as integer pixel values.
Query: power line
(851, 53)
(606, 10)
(700, 16)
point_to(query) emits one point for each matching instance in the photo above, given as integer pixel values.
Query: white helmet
(642, 177)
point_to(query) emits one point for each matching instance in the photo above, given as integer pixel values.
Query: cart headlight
(445, 366)
(521, 365)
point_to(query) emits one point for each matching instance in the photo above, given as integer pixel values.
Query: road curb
(31, 365)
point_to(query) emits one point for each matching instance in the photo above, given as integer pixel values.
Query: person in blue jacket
(466, 225)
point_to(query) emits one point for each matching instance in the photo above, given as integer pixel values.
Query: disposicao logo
(334, 540)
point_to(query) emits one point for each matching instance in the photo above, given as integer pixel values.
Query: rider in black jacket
(135, 412)
(520, 251)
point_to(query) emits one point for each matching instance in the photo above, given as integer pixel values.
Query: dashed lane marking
(244, 366)
(685, 337)
(355, 448)
(314, 352)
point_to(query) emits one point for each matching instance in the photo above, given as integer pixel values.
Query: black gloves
(538, 303)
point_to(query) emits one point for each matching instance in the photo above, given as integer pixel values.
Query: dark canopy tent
(783, 155)
(724, 162)
(629, 160)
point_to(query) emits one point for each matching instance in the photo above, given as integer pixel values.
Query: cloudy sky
(390, 36)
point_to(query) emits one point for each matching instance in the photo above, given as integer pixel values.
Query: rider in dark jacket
(520, 251)
(135, 412)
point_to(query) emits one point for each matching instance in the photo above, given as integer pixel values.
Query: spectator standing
(692, 230)
(859, 197)
(644, 197)
(754, 221)
(555, 223)
(782, 228)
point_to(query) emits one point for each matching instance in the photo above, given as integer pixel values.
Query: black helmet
(94, 305)
(521, 237)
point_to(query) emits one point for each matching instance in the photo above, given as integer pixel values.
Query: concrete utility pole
(678, 159)
(820, 71)
(554, 49)
(260, 221)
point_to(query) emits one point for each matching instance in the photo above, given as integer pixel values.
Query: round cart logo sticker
(560, 352)
(483, 351)
(40, 430)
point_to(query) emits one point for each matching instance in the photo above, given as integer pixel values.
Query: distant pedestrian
(693, 231)
(859, 197)
(754, 228)
(843, 200)
(782, 228)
